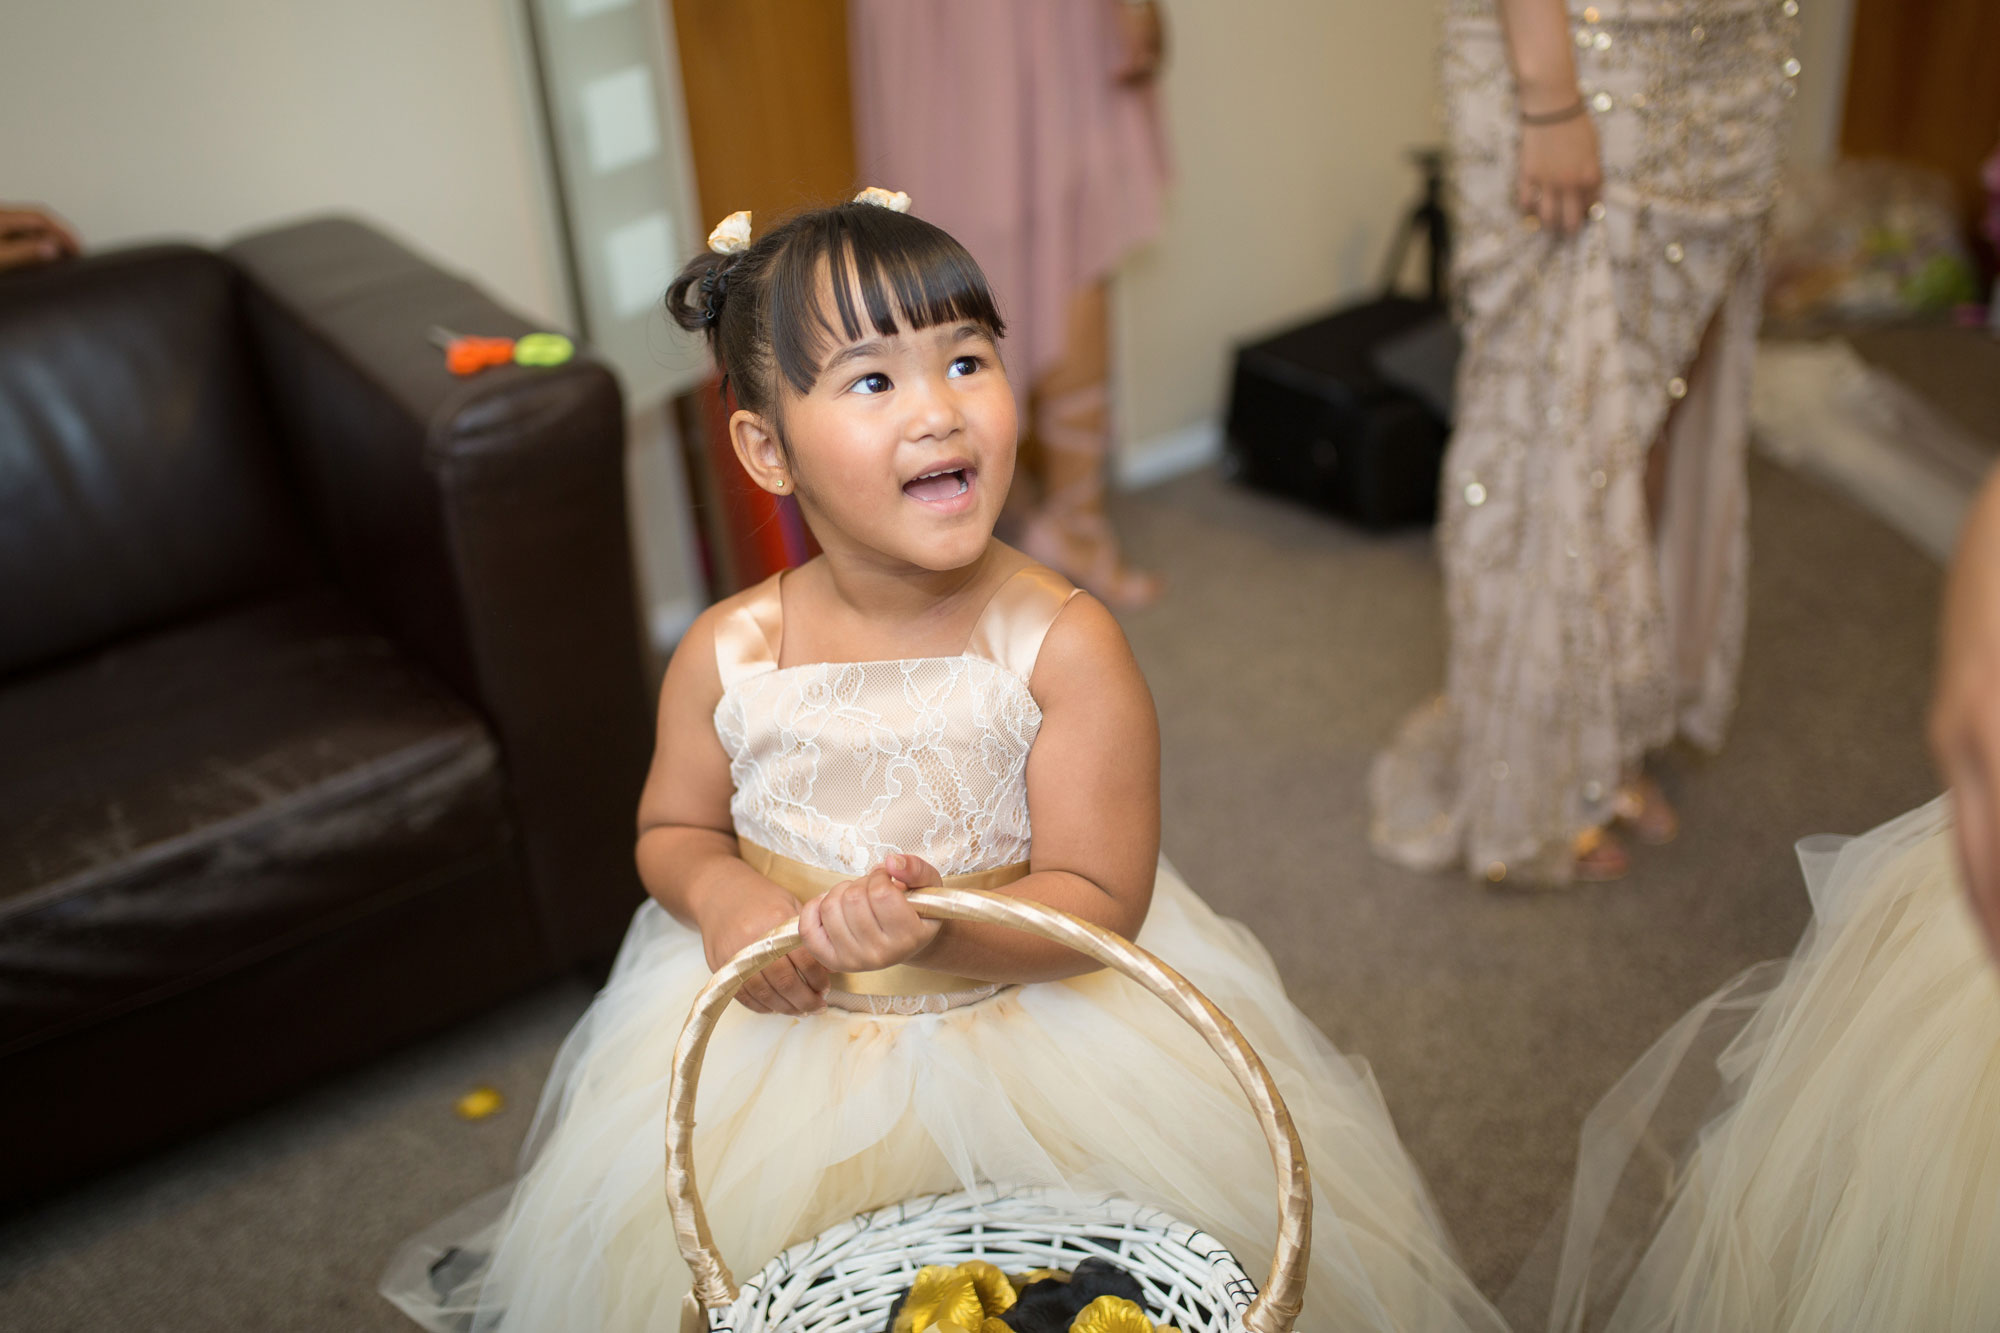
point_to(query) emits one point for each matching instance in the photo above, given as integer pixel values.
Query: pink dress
(1007, 126)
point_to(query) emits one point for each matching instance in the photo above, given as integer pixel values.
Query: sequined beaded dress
(914, 1083)
(1579, 639)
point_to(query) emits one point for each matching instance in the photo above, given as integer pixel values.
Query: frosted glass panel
(583, 9)
(620, 122)
(638, 261)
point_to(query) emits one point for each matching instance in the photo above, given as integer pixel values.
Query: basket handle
(1276, 1306)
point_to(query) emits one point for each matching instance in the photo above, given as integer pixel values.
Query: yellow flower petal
(1111, 1314)
(947, 1298)
(920, 1306)
(996, 1293)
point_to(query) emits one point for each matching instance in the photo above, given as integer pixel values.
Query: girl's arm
(1965, 711)
(1559, 166)
(1093, 798)
(687, 844)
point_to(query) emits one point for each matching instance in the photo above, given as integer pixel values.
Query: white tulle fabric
(1089, 1084)
(1846, 1174)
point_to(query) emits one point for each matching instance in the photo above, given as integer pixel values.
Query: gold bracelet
(1570, 112)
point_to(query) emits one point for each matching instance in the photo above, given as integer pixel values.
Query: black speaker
(1313, 417)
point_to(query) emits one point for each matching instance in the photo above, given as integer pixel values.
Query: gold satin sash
(806, 882)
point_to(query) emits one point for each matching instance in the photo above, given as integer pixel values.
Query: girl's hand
(867, 924)
(794, 984)
(1560, 172)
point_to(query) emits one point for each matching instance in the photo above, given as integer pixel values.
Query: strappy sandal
(1081, 548)
(1070, 533)
(1642, 807)
(1598, 858)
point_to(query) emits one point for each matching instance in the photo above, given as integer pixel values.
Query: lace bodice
(839, 764)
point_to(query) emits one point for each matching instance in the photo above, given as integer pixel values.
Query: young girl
(901, 713)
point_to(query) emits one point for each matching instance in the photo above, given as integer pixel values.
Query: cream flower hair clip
(731, 235)
(893, 200)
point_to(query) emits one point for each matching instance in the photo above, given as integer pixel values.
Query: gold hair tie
(893, 200)
(731, 235)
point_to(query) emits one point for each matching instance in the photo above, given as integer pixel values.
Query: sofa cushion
(138, 477)
(188, 803)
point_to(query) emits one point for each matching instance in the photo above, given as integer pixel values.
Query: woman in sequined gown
(1592, 520)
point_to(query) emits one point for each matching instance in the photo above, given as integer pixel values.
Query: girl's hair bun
(695, 297)
(773, 308)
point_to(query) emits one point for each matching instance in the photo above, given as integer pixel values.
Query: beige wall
(1825, 27)
(1290, 119)
(205, 118)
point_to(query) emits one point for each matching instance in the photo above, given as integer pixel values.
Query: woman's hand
(1142, 39)
(795, 984)
(31, 235)
(867, 924)
(1560, 171)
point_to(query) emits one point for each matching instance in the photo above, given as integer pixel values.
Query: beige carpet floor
(1287, 650)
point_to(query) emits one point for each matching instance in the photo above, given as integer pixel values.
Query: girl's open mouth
(941, 486)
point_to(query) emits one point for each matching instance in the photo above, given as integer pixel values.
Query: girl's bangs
(908, 274)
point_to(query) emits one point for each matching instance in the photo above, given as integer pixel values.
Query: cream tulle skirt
(1089, 1083)
(1846, 1174)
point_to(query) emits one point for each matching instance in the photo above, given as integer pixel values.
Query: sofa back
(139, 482)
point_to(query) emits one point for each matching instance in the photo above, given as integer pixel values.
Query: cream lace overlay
(1580, 639)
(840, 764)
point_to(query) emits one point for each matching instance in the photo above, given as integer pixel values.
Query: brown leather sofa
(322, 706)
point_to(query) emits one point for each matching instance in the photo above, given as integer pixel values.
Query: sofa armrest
(483, 521)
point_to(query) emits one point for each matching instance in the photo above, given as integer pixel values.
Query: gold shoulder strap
(750, 632)
(1011, 628)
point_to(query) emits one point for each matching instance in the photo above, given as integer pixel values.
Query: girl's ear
(757, 448)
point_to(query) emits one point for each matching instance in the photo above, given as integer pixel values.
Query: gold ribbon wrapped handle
(1276, 1306)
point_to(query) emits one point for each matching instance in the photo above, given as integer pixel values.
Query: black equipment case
(1313, 416)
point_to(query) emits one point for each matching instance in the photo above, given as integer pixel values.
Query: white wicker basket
(845, 1279)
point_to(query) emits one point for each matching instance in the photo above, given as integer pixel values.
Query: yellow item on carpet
(480, 1103)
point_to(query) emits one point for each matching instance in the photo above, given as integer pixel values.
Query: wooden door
(1922, 86)
(767, 103)
(772, 131)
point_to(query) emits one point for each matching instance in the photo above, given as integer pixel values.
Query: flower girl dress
(913, 1082)
(1836, 1163)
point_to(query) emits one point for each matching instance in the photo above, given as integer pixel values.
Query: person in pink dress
(1031, 131)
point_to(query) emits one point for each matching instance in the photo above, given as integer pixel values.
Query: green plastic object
(542, 349)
